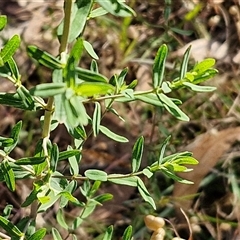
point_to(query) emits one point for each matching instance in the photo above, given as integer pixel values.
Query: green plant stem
(110, 176)
(66, 25)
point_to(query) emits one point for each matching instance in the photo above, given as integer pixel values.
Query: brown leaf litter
(207, 148)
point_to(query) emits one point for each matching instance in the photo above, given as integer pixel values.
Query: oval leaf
(204, 65)
(96, 175)
(90, 50)
(112, 135)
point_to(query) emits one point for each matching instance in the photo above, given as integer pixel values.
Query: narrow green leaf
(121, 78)
(179, 168)
(108, 234)
(172, 108)
(47, 200)
(181, 31)
(116, 8)
(80, 18)
(90, 76)
(11, 229)
(198, 88)
(204, 65)
(3, 22)
(10, 48)
(93, 189)
(209, 73)
(162, 150)
(87, 89)
(97, 175)
(78, 132)
(97, 12)
(48, 89)
(6, 142)
(12, 99)
(67, 154)
(133, 84)
(69, 72)
(19, 173)
(89, 208)
(90, 50)
(122, 180)
(26, 98)
(75, 112)
(127, 235)
(54, 157)
(74, 162)
(76, 51)
(137, 154)
(185, 160)
(31, 197)
(26, 221)
(44, 58)
(112, 135)
(39, 234)
(8, 175)
(145, 194)
(15, 136)
(103, 197)
(173, 176)
(150, 98)
(159, 66)
(30, 160)
(13, 68)
(96, 119)
(61, 220)
(184, 65)
(67, 196)
(94, 66)
(56, 234)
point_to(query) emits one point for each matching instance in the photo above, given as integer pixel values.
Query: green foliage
(72, 87)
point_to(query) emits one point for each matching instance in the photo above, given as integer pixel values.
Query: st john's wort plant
(63, 101)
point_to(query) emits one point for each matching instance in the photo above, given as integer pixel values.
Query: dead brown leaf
(207, 148)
